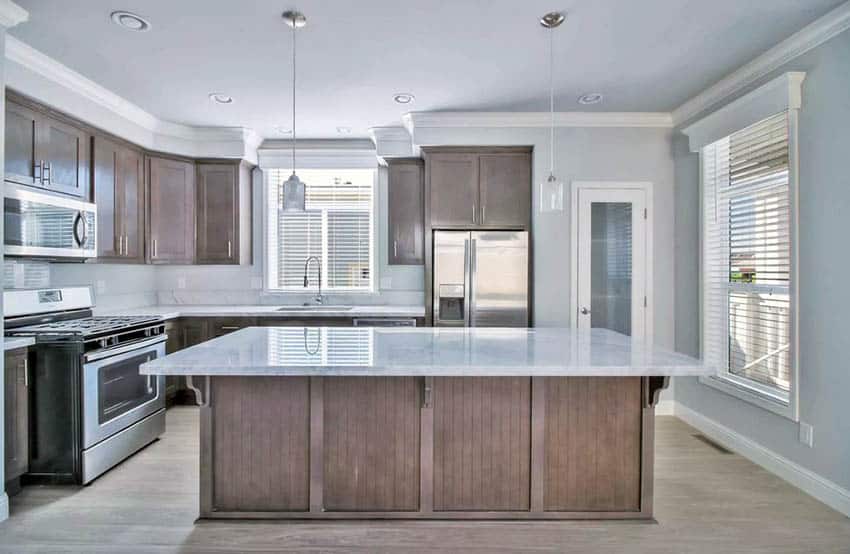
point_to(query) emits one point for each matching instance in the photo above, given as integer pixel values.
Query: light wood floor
(706, 501)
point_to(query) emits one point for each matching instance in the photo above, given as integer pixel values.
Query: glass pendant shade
(294, 197)
(552, 195)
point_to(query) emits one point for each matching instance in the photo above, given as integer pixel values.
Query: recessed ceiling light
(590, 98)
(130, 21)
(220, 98)
(403, 98)
(343, 130)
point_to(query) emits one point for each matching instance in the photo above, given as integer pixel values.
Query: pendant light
(294, 189)
(552, 189)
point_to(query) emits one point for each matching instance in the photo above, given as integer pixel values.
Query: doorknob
(585, 311)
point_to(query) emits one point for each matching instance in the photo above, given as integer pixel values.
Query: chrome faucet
(318, 298)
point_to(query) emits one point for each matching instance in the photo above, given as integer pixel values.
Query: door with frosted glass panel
(612, 260)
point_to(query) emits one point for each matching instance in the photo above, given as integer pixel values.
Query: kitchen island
(433, 423)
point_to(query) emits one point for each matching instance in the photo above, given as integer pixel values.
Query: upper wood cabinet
(223, 213)
(46, 151)
(481, 188)
(171, 211)
(406, 211)
(120, 196)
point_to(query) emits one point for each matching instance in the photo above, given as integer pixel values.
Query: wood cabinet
(171, 211)
(223, 212)
(46, 151)
(453, 185)
(194, 331)
(479, 188)
(406, 211)
(220, 326)
(16, 391)
(120, 196)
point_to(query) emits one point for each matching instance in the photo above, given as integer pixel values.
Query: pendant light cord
(294, 28)
(551, 102)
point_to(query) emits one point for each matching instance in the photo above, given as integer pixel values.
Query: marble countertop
(425, 351)
(175, 311)
(12, 343)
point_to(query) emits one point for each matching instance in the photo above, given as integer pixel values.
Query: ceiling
(487, 55)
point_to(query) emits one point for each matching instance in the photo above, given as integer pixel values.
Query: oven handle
(100, 354)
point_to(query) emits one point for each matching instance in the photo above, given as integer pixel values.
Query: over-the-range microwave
(42, 225)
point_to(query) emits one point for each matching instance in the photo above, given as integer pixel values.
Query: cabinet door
(218, 214)
(406, 215)
(65, 150)
(171, 211)
(131, 181)
(17, 414)
(453, 182)
(371, 443)
(505, 190)
(107, 196)
(22, 166)
(482, 443)
(194, 331)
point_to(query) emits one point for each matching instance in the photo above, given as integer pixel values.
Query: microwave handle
(78, 236)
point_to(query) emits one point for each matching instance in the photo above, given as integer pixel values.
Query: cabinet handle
(229, 249)
(229, 328)
(483, 213)
(46, 172)
(26, 374)
(119, 244)
(395, 248)
(153, 248)
(473, 213)
(37, 170)
(126, 245)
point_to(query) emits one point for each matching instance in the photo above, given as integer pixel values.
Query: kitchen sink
(314, 308)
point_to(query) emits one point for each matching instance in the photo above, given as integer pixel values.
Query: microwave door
(499, 279)
(451, 279)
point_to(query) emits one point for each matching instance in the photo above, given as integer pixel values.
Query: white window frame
(780, 94)
(319, 154)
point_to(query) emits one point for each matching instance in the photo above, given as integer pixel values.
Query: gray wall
(824, 263)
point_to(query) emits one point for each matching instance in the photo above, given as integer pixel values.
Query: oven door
(115, 395)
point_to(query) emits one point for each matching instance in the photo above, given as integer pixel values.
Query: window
(747, 249)
(337, 227)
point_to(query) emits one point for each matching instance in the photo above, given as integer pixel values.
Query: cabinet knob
(584, 311)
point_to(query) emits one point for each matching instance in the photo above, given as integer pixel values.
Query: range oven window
(121, 388)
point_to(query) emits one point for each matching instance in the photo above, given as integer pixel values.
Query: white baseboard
(822, 489)
(665, 407)
(4, 506)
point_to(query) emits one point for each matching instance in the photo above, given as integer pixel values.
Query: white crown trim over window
(780, 94)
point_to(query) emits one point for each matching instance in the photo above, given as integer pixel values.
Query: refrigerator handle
(467, 282)
(473, 262)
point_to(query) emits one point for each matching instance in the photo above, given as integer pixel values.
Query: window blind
(747, 255)
(337, 227)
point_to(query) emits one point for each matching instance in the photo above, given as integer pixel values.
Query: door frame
(646, 187)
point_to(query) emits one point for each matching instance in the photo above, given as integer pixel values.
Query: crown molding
(318, 154)
(393, 142)
(164, 135)
(784, 92)
(12, 14)
(809, 37)
(413, 120)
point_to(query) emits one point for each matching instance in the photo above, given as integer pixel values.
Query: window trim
(782, 93)
(374, 265)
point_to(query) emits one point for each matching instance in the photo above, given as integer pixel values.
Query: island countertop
(421, 351)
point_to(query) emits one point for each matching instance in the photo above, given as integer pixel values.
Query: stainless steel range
(90, 407)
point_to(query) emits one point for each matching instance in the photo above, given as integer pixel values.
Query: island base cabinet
(401, 447)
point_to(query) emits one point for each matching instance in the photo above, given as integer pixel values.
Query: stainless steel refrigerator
(480, 279)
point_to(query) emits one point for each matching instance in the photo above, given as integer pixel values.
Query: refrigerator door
(451, 279)
(499, 286)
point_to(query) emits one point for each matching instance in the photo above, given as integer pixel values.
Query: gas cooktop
(86, 326)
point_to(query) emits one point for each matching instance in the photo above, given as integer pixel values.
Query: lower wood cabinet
(16, 390)
(482, 440)
(371, 443)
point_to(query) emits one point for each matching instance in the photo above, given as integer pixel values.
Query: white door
(611, 259)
